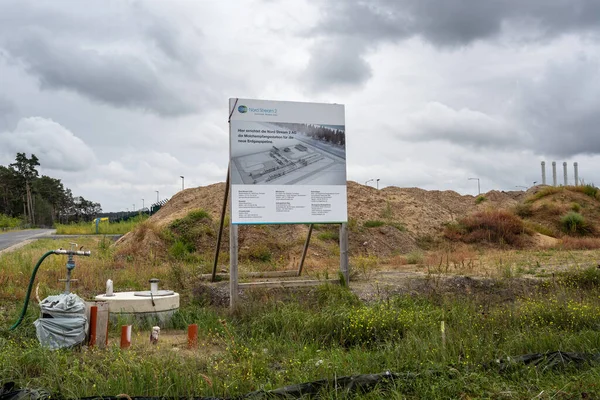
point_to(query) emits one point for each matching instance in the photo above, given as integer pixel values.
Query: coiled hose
(35, 269)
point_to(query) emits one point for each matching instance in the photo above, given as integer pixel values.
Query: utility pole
(181, 176)
(478, 187)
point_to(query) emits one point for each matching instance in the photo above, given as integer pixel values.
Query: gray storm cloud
(448, 23)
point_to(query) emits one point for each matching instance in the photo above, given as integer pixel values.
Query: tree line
(40, 200)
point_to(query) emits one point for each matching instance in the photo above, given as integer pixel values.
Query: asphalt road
(11, 238)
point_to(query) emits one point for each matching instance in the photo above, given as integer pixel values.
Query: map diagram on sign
(305, 154)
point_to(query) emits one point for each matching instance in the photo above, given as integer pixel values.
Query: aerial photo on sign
(290, 153)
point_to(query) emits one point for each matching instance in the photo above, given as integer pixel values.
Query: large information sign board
(287, 162)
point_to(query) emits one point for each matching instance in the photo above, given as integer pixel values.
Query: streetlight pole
(156, 195)
(370, 180)
(377, 183)
(478, 186)
(181, 176)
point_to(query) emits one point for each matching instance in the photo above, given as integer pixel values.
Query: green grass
(324, 332)
(373, 224)
(104, 228)
(331, 333)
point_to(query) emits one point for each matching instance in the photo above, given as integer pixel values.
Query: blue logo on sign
(243, 109)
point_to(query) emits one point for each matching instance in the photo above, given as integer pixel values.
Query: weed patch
(574, 223)
(373, 224)
(492, 226)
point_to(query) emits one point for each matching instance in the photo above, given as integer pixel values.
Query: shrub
(575, 223)
(260, 253)
(180, 249)
(575, 207)
(414, 257)
(492, 226)
(373, 224)
(480, 199)
(9, 222)
(524, 210)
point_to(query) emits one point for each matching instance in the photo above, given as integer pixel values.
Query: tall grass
(104, 228)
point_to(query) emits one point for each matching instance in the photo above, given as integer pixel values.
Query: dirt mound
(384, 222)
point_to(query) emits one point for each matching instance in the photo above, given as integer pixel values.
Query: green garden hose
(24, 311)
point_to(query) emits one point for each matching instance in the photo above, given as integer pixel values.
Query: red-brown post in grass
(125, 336)
(192, 336)
(93, 325)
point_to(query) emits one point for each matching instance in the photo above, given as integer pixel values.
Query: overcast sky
(120, 98)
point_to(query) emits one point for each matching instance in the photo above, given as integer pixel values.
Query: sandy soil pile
(421, 212)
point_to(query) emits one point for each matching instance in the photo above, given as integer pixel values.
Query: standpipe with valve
(70, 267)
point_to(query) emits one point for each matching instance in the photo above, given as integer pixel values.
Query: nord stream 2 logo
(257, 110)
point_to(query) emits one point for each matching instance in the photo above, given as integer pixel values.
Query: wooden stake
(223, 212)
(310, 228)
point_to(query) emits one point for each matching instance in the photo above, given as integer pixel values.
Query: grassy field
(104, 228)
(282, 338)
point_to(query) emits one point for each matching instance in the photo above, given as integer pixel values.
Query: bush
(9, 222)
(575, 223)
(492, 226)
(373, 224)
(414, 257)
(524, 210)
(180, 249)
(260, 253)
(480, 199)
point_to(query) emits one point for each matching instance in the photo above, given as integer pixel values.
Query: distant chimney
(565, 173)
(543, 172)
(576, 171)
(554, 173)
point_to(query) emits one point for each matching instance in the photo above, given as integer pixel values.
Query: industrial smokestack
(576, 171)
(543, 172)
(554, 173)
(565, 173)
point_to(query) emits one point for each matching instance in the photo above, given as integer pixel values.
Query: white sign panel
(288, 162)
